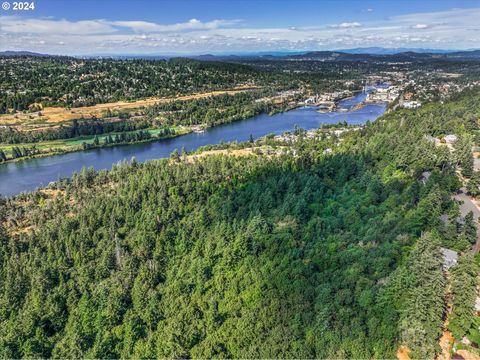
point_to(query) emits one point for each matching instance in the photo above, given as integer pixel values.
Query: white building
(411, 104)
(450, 258)
(450, 139)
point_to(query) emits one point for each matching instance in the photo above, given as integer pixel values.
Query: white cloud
(456, 28)
(14, 24)
(192, 24)
(346, 25)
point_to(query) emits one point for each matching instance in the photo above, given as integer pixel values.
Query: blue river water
(30, 174)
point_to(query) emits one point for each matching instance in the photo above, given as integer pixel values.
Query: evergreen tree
(463, 155)
(429, 209)
(470, 229)
(473, 185)
(175, 155)
(462, 243)
(464, 283)
(16, 152)
(422, 313)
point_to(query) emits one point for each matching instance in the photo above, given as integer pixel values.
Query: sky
(96, 27)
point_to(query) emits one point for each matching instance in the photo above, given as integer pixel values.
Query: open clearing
(230, 152)
(53, 115)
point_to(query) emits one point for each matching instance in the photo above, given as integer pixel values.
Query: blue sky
(78, 27)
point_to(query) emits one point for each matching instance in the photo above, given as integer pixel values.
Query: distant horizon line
(380, 51)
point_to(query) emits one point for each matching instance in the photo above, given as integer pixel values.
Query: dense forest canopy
(302, 255)
(75, 82)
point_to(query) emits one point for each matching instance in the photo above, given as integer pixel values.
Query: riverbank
(82, 143)
(65, 146)
(32, 173)
(87, 143)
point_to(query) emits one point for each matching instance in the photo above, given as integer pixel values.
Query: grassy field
(74, 144)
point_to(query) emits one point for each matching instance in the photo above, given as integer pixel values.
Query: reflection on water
(30, 174)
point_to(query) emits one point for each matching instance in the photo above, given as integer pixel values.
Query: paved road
(465, 208)
(476, 164)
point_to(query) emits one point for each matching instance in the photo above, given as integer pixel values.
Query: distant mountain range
(357, 54)
(22, 53)
(407, 55)
(350, 55)
(392, 51)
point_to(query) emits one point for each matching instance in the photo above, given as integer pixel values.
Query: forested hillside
(301, 255)
(64, 81)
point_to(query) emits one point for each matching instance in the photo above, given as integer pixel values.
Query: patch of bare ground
(230, 152)
(402, 353)
(446, 340)
(20, 230)
(257, 150)
(467, 355)
(52, 193)
(446, 343)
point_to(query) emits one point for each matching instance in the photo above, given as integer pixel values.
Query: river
(27, 175)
